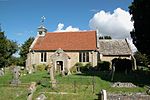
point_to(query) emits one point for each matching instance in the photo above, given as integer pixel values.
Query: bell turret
(42, 30)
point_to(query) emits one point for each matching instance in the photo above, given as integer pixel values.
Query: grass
(78, 86)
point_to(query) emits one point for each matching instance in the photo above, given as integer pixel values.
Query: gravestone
(51, 71)
(31, 90)
(16, 75)
(41, 97)
(103, 95)
(1, 72)
(123, 84)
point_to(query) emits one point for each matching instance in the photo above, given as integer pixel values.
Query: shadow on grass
(139, 77)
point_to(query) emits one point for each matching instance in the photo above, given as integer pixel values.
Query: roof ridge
(84, 31)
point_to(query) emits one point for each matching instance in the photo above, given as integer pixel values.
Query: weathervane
(42, 20)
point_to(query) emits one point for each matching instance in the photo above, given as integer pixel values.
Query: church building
(63, 49)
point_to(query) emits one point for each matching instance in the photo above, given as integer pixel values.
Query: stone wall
(136, 96)
(35, 58)
(110, 58)
(74, 58)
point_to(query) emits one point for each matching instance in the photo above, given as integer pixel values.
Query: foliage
(82, 67)
(141, 59)
(41, 67)
(7, 49)
(79, 64)
(86, 67)
(105, 37)
(103, 65)
(14, 61)
(122, 64)
(24, 50)
(73, 69)
(141, 17)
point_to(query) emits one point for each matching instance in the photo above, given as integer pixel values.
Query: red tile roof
(81, 40)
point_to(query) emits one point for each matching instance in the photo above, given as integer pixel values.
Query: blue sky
(20, 18)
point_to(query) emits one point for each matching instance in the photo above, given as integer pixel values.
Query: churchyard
(79, 86)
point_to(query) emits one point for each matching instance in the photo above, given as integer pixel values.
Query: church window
(84, 57)
(43, 56)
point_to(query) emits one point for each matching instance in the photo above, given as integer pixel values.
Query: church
(63, 49)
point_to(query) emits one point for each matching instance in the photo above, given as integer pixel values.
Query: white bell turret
(42, 30)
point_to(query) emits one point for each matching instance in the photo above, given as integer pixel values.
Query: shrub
(41, 67)
(81, 67)
(86, 67)
(73, 69)
(103, 65)
(79, 64)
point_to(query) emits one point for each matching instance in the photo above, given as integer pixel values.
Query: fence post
(74, 86)
(93, 85)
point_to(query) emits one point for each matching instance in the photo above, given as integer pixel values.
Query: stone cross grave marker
(31, 90)
(16, 75)
(52, 78)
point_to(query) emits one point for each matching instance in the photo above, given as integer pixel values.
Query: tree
(141, 59)
(140, 34)
(7, 49)
(105, 37)
(24, 50)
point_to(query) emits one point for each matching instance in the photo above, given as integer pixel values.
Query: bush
(79, 64)
(86, 67)
(73, 69)
(103, 66)
(81, 67)
(41, 67)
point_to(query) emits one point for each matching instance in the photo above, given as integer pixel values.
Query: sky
(21, 18)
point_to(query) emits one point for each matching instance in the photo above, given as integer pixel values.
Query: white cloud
(60, 28)
(117, 24)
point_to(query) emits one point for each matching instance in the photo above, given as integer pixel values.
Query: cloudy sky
(20, 18)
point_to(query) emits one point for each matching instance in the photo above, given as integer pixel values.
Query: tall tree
(24, 50)
(7, 49)
(140, 10)
(141, 59)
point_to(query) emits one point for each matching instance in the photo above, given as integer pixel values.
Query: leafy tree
(7, 49)
(105, 37)
(24, 50)
(141, 59)
(140, 34)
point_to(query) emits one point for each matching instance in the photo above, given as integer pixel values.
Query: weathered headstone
(103, 95)
(1, 72)
(41, 97)
(16, 75)
(123, 84)
(31, 90)
(51, 69)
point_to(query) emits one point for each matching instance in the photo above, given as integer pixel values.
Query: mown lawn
(84, 86)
